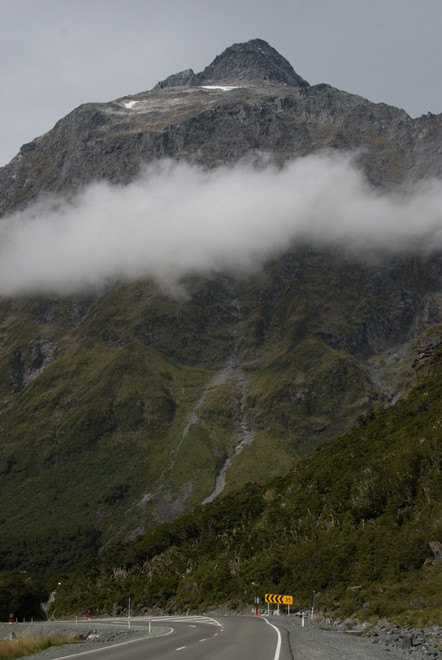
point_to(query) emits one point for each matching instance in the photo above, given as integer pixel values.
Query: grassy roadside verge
(31, 644)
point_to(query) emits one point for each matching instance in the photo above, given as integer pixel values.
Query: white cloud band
(177, 218)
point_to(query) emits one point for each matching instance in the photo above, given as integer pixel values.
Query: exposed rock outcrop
(426, 345)
(436, 560)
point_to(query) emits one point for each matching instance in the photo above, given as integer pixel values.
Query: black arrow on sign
(274, 598)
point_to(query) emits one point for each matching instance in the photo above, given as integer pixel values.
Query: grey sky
(57, 54)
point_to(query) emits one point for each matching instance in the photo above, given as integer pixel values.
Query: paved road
(206, 638)
(200, 638)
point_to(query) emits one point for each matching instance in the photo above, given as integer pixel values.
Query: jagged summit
(250, 62)
(253, 61)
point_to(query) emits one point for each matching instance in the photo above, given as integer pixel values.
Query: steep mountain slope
(356, 523)
(124, 411)
(125, 406)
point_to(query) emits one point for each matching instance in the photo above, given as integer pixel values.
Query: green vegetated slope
(119, 411)
(20, 593)
(353, 523)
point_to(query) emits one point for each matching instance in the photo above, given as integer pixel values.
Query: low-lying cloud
(177, 219)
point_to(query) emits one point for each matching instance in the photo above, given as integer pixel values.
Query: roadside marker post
(303, 619)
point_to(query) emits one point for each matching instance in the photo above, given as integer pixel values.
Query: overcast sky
(57, 54)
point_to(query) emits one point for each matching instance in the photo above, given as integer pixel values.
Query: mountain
(126, 405)
(213, 127)
(253, 62)
(357, 523)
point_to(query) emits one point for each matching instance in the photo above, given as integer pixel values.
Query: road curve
(201, 638)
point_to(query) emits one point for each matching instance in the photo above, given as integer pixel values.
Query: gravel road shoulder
(313, 641)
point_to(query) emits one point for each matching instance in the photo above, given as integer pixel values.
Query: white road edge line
(278, 646)
(130, 641)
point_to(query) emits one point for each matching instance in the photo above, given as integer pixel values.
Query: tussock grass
(30, 644)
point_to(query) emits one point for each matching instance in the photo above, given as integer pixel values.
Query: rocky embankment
(423, 642)
(419, 642)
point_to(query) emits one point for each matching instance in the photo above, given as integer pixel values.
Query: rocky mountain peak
(250, 62)
(253, 61)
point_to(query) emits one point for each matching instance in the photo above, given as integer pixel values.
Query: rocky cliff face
(159, 403)
(248, 100)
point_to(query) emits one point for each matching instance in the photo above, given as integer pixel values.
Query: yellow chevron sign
(279, 600)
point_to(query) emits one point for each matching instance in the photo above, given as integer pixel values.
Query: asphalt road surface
(200, 638)
(217, 638)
